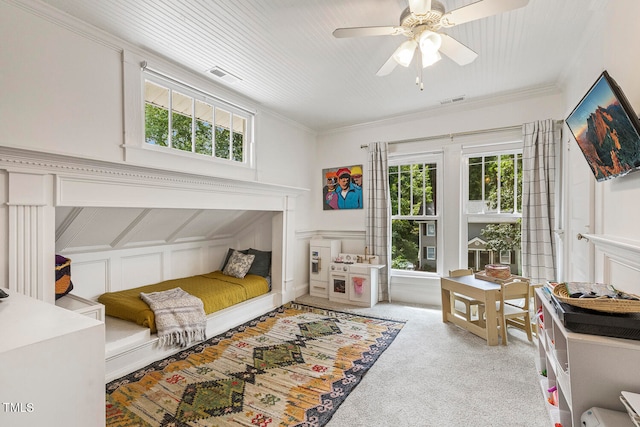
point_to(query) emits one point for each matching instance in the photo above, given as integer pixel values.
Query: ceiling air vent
(452, 100)
(224, 75)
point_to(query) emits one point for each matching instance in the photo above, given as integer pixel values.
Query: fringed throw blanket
(180, 318)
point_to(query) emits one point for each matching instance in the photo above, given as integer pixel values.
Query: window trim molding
(500, 148)
(199, 95)
(137, 151)
(437, 157)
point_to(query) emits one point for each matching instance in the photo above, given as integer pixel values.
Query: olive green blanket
(216, 290)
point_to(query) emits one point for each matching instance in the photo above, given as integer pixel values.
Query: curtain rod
(145, 67)
(451, 135)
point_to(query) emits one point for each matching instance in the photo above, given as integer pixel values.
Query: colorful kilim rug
(293, 366)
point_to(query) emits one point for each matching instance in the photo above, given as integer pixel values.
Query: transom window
(181, 118)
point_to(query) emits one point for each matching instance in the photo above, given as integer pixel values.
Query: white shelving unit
(587, 370)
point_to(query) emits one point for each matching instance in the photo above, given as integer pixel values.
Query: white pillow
(238, 264)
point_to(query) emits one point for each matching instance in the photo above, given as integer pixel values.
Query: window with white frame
(181, 118)
(414, 213)
(494, 209)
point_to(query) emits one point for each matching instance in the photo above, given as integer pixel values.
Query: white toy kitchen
(349, 278)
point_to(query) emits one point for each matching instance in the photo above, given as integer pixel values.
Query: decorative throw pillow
(229, 252)
(238, 265)
(63, 276)
(261, 264)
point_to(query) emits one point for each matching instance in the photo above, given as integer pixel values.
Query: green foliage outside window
(413, 194)
(503, 236)
(497, 181)
(192, 131)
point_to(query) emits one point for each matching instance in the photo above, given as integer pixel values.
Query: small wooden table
(481, 290)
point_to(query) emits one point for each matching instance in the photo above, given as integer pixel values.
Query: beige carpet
(436, 374)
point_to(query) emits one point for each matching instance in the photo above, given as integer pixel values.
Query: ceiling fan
(420, 23)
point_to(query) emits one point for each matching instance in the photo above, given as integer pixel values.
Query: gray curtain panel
(541, 143)
(378, 217)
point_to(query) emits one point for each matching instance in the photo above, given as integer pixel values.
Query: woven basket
(608, 305)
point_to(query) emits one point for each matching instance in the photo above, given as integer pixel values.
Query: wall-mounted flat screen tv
(607, 130)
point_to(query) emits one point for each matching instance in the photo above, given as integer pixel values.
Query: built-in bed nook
(125, 227)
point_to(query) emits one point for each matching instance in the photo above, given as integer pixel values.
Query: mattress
(216, 290)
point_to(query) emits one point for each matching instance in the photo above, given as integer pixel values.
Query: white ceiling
(288, 60)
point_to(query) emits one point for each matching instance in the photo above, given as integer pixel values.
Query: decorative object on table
(63, 276)
(342, 188)
(292, 366)
(492, 277)
(597, 296)
(3, 294)
(497, 271)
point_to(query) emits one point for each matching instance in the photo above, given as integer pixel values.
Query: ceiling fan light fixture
(430, 58)
(429, 41)
(404, 53)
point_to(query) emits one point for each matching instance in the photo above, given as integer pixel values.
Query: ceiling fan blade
(419, 7)
(366, 31)
(480, 9)
(455, 50)
(387, 67)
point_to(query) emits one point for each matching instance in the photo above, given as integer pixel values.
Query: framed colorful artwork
(342, 188)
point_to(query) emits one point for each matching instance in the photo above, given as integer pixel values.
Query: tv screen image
(607, 130)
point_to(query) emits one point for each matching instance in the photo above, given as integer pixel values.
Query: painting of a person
(356, 176)
(329, 191)
(349, 194)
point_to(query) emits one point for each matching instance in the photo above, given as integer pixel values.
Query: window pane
(156, 114)
(405, 190)
(223, 133)
(519, 188)
(507, 182)
(412, 249)
(393, 188)
(430, 189)
(491, 183)
(475, 178)
(405, 250)
(488, 241)
(181, 116)
(204, 128)
(239, 132)
(417, 193)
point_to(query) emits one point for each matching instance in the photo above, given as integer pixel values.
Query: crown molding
(27, 161)
(466, 105)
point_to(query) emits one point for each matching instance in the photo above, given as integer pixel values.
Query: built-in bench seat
(130, 346)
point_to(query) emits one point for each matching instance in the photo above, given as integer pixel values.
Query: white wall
(607, 208)
(342, 147)
(62, 92)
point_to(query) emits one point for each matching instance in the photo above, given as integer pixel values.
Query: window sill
(174, 160)
(415, 274)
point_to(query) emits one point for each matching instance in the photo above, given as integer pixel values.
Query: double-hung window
(179, 117)
(494, 208)
(413, 185)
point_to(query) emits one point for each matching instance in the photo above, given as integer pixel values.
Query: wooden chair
(513, 308)
(472, 306)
